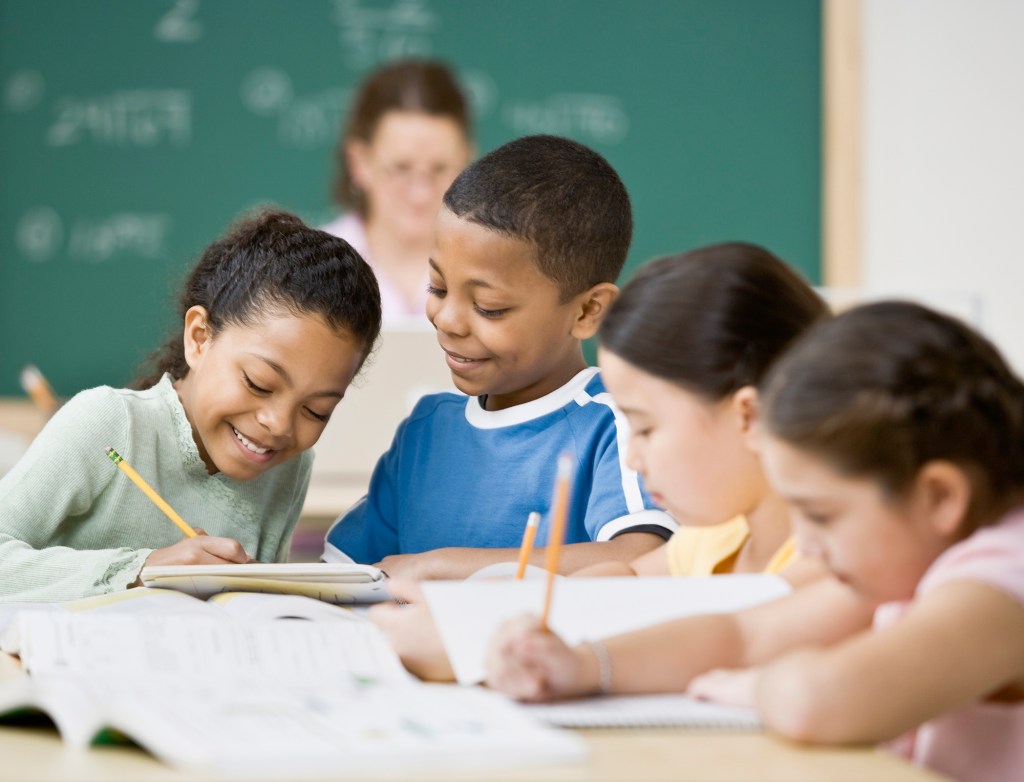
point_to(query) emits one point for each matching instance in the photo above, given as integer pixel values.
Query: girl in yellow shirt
(681, 352)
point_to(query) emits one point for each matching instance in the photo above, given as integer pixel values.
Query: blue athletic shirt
(459, 475)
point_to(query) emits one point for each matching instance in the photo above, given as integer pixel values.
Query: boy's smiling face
(501, 322)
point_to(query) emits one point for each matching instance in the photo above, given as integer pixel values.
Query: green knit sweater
(73, 525)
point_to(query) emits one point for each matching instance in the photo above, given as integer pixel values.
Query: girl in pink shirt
(896, 435)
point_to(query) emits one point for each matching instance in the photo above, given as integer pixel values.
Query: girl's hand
(200, 550)
(732, 687)
(412, 632)
(532, 664)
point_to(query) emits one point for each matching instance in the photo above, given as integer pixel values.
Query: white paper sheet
(468, 613)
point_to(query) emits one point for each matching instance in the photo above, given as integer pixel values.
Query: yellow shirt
(705, 551)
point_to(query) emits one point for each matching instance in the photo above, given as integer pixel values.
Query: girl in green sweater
(276, 320)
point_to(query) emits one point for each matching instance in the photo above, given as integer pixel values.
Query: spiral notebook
(644, 711)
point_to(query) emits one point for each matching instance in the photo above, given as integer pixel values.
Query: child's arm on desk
(880, 684)
(650, 563)
(463, 562)
(411, 630)
(533, 664)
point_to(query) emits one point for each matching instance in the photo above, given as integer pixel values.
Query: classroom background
(132, 133)
(873, 143)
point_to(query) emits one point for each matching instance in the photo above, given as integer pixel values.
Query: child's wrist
(598, 667)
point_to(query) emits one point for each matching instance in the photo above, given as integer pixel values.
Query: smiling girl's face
(258, 394)
(698, 458)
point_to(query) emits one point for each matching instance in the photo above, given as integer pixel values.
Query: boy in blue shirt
(529, 243)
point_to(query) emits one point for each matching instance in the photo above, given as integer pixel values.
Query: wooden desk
(34, 754)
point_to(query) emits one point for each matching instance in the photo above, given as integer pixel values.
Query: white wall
(943, 155)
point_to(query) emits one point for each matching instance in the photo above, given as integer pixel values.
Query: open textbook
(259, 699)
(333, 583)
(145, 600)
(469, 613)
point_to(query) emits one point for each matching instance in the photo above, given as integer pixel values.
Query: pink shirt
(393, 305)
(983, 742)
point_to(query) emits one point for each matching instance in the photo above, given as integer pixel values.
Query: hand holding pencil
(197, 548)
(150, 492)
(526, 659)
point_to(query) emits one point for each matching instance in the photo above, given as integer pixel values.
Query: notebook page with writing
(150, 647)
(148, 600)
(137, 600)
(341, 731)
(267, 699)
(468, 614)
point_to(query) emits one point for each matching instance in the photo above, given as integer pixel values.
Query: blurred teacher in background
(407, 137)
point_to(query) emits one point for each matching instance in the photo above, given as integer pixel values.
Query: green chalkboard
(133, 131)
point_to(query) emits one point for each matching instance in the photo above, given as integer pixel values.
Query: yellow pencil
(528, 535)
(556, 533)
(35, 386)
(150, 492)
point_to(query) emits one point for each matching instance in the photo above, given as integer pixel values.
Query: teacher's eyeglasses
(405, 175)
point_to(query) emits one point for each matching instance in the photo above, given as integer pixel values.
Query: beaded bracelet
(604, 665)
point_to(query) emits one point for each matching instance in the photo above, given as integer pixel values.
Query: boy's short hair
(558, 195)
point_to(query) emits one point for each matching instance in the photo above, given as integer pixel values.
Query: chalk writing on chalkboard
(370, 35)
(40, 235)
(179, 24)
(482, 90)
(305, 121)
(134, 140)
(266, 91)
(23, 90)
(312, 121)
(599, 118)
(140, 118)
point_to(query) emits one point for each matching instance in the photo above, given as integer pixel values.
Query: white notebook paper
(644, 711)
(469, 613)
